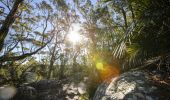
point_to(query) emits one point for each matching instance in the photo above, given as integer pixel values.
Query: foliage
(118, 35)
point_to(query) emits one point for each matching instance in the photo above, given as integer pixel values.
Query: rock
(134, 97)
(140, 95)
(136, 74)
(153, 88)
(119, 95)
(140, 81)
(26, 93)
(76, 97)
(132, 85)
(50, 90)
(81, 88)
(141, 88)
(130, 99)
(65, 87)
(148, 98)
(105, 98)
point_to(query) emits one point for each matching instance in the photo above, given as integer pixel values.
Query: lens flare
(99, 66)
(7, 92)
(109, 72)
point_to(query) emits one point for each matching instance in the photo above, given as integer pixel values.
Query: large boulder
(26, 93)
(133, 85)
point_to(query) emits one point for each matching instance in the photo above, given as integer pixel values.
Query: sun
(74, 37)
(74, 34)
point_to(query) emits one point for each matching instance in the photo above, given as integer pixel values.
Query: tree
(9, 20)
(147, 38)
(28, 33)
(23, 36)
(63, 18)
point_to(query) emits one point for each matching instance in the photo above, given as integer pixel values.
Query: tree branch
(20, 57)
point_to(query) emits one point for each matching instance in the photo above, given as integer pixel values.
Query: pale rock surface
(133, 85)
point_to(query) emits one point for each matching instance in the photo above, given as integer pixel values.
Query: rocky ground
(131, 85)
(51, 90)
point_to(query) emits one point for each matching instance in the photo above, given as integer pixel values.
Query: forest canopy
(74, 39)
